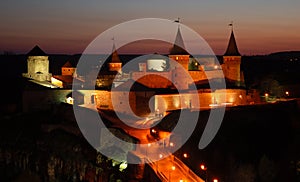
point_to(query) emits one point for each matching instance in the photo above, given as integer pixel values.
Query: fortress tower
(232, 62)
(181, 56)
(178, 52)
(115, 63)
(68, 69)
(37, 65)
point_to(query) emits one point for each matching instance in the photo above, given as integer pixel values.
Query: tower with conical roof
(37, 65)
(232, 62)
(178, 52)
(115, 63)
(68, 69)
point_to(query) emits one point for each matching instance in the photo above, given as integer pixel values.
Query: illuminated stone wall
(68, 71)
(57, 82)
(118, 101)
(103, 100)
(198, 75)
(181, 59)
(155, 80)
(204, 98)
(115, 67)
(231, 68)
(38, 68)
(176, 76)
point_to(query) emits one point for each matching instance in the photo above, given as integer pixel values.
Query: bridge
(169, 168)
(173, 169)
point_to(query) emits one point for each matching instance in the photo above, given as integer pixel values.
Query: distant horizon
(68, 27)
(137, 53)
(50, 50)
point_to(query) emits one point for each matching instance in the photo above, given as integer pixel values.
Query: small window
(93, 99)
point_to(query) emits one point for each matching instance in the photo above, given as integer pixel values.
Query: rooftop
(232, 49)
(36, 51)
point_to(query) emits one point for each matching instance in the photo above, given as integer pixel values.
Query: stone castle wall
(231, 68)
(200, 100)
(38, 68)
(153, 79)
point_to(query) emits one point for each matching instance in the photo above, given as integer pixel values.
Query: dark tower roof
(68, 65)
(178, 47)
(36, 51)
(232, 49)
(115, 57)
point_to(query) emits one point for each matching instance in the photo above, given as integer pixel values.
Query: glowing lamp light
(216, 67)
(123, 166)
(203, 167)
(70, 100)
(266, 95)
(173, 168)
(215, 180)
(185, 155)
(171, 144)
(231, 99)
(176, 102)
(160, 156)
(287, 93)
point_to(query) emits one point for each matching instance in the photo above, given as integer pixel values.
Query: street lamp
(287, 93)
(215, 180)
(185, 155)
(204, 168)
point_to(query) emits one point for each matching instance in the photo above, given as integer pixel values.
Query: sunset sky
(261, 27)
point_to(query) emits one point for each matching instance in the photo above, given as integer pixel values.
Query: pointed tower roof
(178, 47)
(115, 57)
(232, 49)
(68, 65)
(36, 51)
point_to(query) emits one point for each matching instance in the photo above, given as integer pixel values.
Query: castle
(155, 73)
(230, 69)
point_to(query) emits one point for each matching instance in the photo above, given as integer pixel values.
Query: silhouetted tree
(245, 173)
(267, 169)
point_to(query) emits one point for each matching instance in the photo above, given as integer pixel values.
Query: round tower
(115, 63)
(232, 62)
